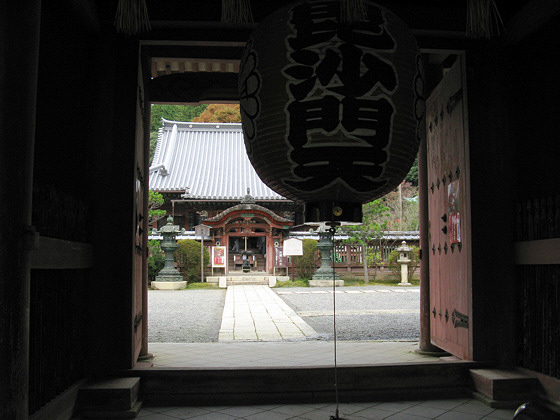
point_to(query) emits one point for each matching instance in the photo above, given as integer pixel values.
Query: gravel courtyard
(363, 313)
(185, 316)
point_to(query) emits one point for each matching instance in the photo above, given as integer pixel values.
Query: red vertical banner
(218, 256)
(453, 206)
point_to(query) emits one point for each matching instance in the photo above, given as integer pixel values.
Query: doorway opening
(386, 314)
(237, 241)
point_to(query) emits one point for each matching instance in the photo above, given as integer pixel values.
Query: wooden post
(202, 256)
(364, 262)
(292, 260)
(425, 343)
(19, 39)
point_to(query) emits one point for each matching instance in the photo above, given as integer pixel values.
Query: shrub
(306, 264)
(374, 261)
(295, 283)
(156, 259)
(395, 267)
(188, 257)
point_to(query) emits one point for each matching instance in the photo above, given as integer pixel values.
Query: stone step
(304, 384)
(243, 279)
(224, 281)
(111, 397)
(247, 283)
(248, 280)
(114, 414)
(501, 388)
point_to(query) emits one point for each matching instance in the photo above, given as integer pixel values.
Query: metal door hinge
(459, 320)
(137, 321)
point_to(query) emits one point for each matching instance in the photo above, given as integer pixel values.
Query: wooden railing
(537, 255)
(60, 278)
(350, 256)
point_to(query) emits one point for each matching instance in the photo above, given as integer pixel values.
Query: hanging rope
(332, 230)
(236, 11)
(132, 17)
(483, 19)
(353, 11)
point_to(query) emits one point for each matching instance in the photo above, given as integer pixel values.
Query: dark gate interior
(538, 290)
(537, 206)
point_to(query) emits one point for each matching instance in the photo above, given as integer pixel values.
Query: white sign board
(202, 230)
(293, 246)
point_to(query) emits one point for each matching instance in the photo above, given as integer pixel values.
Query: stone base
(326, 283)
(165, 277)
(169, 285)
(404, 284)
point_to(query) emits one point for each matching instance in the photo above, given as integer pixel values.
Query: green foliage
(172, 113)
(374, 261)
(202, 286)
(376, 216)
(188, 257)
(153, 144)
(374, 224)
(155, 200)
(295, 283)
(156, 260)
(395, 267)
(306, 263)
(394, 211)
(412, 175)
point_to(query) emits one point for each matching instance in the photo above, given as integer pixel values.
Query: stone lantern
(404, 259)
(325, 275)
(169, 277)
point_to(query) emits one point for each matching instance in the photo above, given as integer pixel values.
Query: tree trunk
(364, 262)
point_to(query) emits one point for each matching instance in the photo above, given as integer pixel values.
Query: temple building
(203, 172)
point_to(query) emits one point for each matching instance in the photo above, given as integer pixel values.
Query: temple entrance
(250, 233)
(247, 251)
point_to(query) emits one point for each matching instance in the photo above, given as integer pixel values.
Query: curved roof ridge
(241, 207)
(207, 126)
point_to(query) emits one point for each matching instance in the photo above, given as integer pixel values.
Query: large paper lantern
(331, 111)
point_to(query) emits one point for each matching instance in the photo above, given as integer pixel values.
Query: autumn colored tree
(220, 113)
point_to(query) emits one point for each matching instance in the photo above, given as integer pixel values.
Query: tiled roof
(207, 159)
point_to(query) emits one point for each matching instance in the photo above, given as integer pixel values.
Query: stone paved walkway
(256, 313)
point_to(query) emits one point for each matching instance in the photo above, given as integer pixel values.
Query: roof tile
(207, 158)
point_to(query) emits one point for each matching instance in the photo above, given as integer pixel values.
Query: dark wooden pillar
(225, 242)
(145, 66)
(19, 41)
(270, 252)
(425, 342)
(489, 80)
(113, 134)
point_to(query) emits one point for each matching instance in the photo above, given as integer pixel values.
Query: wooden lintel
(530, 18)
(544, 251)
(58, 254)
